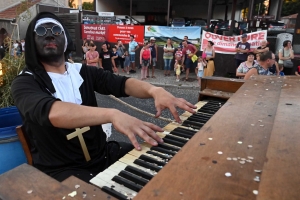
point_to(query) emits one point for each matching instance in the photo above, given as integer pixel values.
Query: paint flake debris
(77, 186)
(229, 158)
(72, 194)
(29, 191)
(220, 152)
(240, 142)
(227, 174)
(255, 192)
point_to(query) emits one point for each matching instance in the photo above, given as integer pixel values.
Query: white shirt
(67, 85)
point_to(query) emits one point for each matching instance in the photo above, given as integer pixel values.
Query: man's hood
(31, 60)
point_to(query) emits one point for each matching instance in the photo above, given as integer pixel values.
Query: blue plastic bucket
(10, 119)
(11, 151)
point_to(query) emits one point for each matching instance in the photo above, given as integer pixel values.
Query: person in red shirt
(298, 71)
(92, 56)
(187, 53)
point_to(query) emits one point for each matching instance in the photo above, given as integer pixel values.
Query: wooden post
(232, 16)
(209, 13)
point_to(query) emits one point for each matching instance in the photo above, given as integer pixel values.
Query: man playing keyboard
(59, 109)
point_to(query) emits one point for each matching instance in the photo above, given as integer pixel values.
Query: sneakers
(177, 80)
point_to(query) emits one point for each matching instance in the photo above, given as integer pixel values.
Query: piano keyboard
(126, 177)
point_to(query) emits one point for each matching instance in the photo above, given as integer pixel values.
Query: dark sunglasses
(41, 31)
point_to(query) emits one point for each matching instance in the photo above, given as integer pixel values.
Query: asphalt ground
(147, 105)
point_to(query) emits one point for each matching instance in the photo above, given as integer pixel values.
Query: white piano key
(102, 181)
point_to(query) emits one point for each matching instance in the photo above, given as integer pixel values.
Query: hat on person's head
(244, 35)
(180, 46)
(152, 38)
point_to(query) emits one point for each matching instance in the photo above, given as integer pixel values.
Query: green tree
(290, 7)
(72, 4)
(88, 6)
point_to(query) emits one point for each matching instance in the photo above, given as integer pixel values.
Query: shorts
(145, 63)
(153, 62)
(132, 57)
(200, 73)
(188, 63)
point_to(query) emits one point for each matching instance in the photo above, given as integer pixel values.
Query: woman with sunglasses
(57, 98)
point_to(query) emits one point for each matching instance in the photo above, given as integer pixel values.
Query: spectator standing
(286, 53)
(168, 56)
(126, 61)
(200, 67)
(266, 60)
(106, 59)
(188, 52)
(210, 55)
(133, 46)
(92, 56)
(262, 48)
(242, 48)
(153, 48)
(23, 45)
(85, 49)
(120, 50)
(115, 58)
(145, 60)
(177, 67)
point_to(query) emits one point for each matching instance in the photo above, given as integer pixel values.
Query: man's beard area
(50, 56)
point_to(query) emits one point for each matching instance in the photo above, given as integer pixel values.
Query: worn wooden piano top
(258, 114)
(15, 184)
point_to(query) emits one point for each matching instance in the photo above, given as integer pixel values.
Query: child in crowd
(126, 61)
(145, 60)
(178, 53)
(178, 56)
(177, 67)
(281, 73)
(115, 57)
(200, 67)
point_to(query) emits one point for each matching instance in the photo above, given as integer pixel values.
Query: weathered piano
(248, 149)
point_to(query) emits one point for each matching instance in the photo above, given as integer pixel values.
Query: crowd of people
(182, 59)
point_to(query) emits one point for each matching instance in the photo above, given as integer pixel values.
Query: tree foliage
(88, 6)
(72, 4)
(290, 7)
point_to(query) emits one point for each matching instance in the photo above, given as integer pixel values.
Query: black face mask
(50, 47)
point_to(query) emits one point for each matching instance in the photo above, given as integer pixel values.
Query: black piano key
(171, 137)
(162, 150)
(180, 134)
(139, 172)
(173, 142)
(197, 119)
(168, 147)
(192, 124)
(207, 111)
(147, 165)
(134, 178)
(129, 184)
(162, 156)
(152, 160)
(186, 130)
(204, 113)
(114, 193)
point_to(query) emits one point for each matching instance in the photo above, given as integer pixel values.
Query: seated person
(266, 60)
(245, 66)
(59, 109)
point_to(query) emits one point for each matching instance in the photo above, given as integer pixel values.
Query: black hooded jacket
(33, 95)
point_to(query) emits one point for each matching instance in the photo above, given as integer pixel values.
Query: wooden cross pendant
(78, 133)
